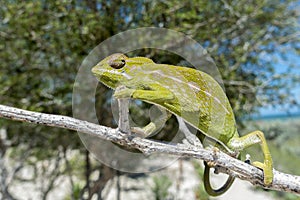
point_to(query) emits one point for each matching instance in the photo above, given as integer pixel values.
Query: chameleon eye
(117, 64)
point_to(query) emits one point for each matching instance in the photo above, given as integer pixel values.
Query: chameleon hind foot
(256, 137)
(267, 170)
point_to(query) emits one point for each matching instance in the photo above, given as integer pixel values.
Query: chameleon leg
(157, 95)
(255, 138)
(155, 125)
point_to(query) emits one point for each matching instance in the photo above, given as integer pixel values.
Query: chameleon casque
(188, 93)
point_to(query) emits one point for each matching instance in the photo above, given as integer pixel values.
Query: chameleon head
(110, 70)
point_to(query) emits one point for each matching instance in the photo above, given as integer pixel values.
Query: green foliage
(161, 186)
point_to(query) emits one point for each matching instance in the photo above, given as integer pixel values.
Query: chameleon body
(189, 93)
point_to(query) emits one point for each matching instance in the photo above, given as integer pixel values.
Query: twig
(225, 163)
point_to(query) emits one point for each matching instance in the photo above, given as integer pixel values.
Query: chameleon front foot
(145, 131)
(123, 92)
(267, 169)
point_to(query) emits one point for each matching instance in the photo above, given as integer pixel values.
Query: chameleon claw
(211, 164)
(216, 150)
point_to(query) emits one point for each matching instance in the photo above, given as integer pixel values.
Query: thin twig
(227, 164)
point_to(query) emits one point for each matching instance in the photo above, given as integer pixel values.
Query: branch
(225, 163)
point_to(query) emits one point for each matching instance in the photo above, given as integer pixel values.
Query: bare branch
(225, 163)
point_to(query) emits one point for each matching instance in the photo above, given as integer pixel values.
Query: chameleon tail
(209, 189)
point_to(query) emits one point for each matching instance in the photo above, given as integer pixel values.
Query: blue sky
(281, 66)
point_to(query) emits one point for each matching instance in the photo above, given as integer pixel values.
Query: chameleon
(191, 94)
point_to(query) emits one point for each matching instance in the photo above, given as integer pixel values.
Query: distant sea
(282, 116)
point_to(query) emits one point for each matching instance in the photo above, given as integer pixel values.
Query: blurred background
(255, 45)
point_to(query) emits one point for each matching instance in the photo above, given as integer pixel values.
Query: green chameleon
(188, 93)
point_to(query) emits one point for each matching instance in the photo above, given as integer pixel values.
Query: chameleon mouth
(96, 70)
(100, 72)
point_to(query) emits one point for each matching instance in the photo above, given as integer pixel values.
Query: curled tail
(209, 189)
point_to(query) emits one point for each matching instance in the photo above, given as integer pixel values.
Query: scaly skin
(191, 94)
